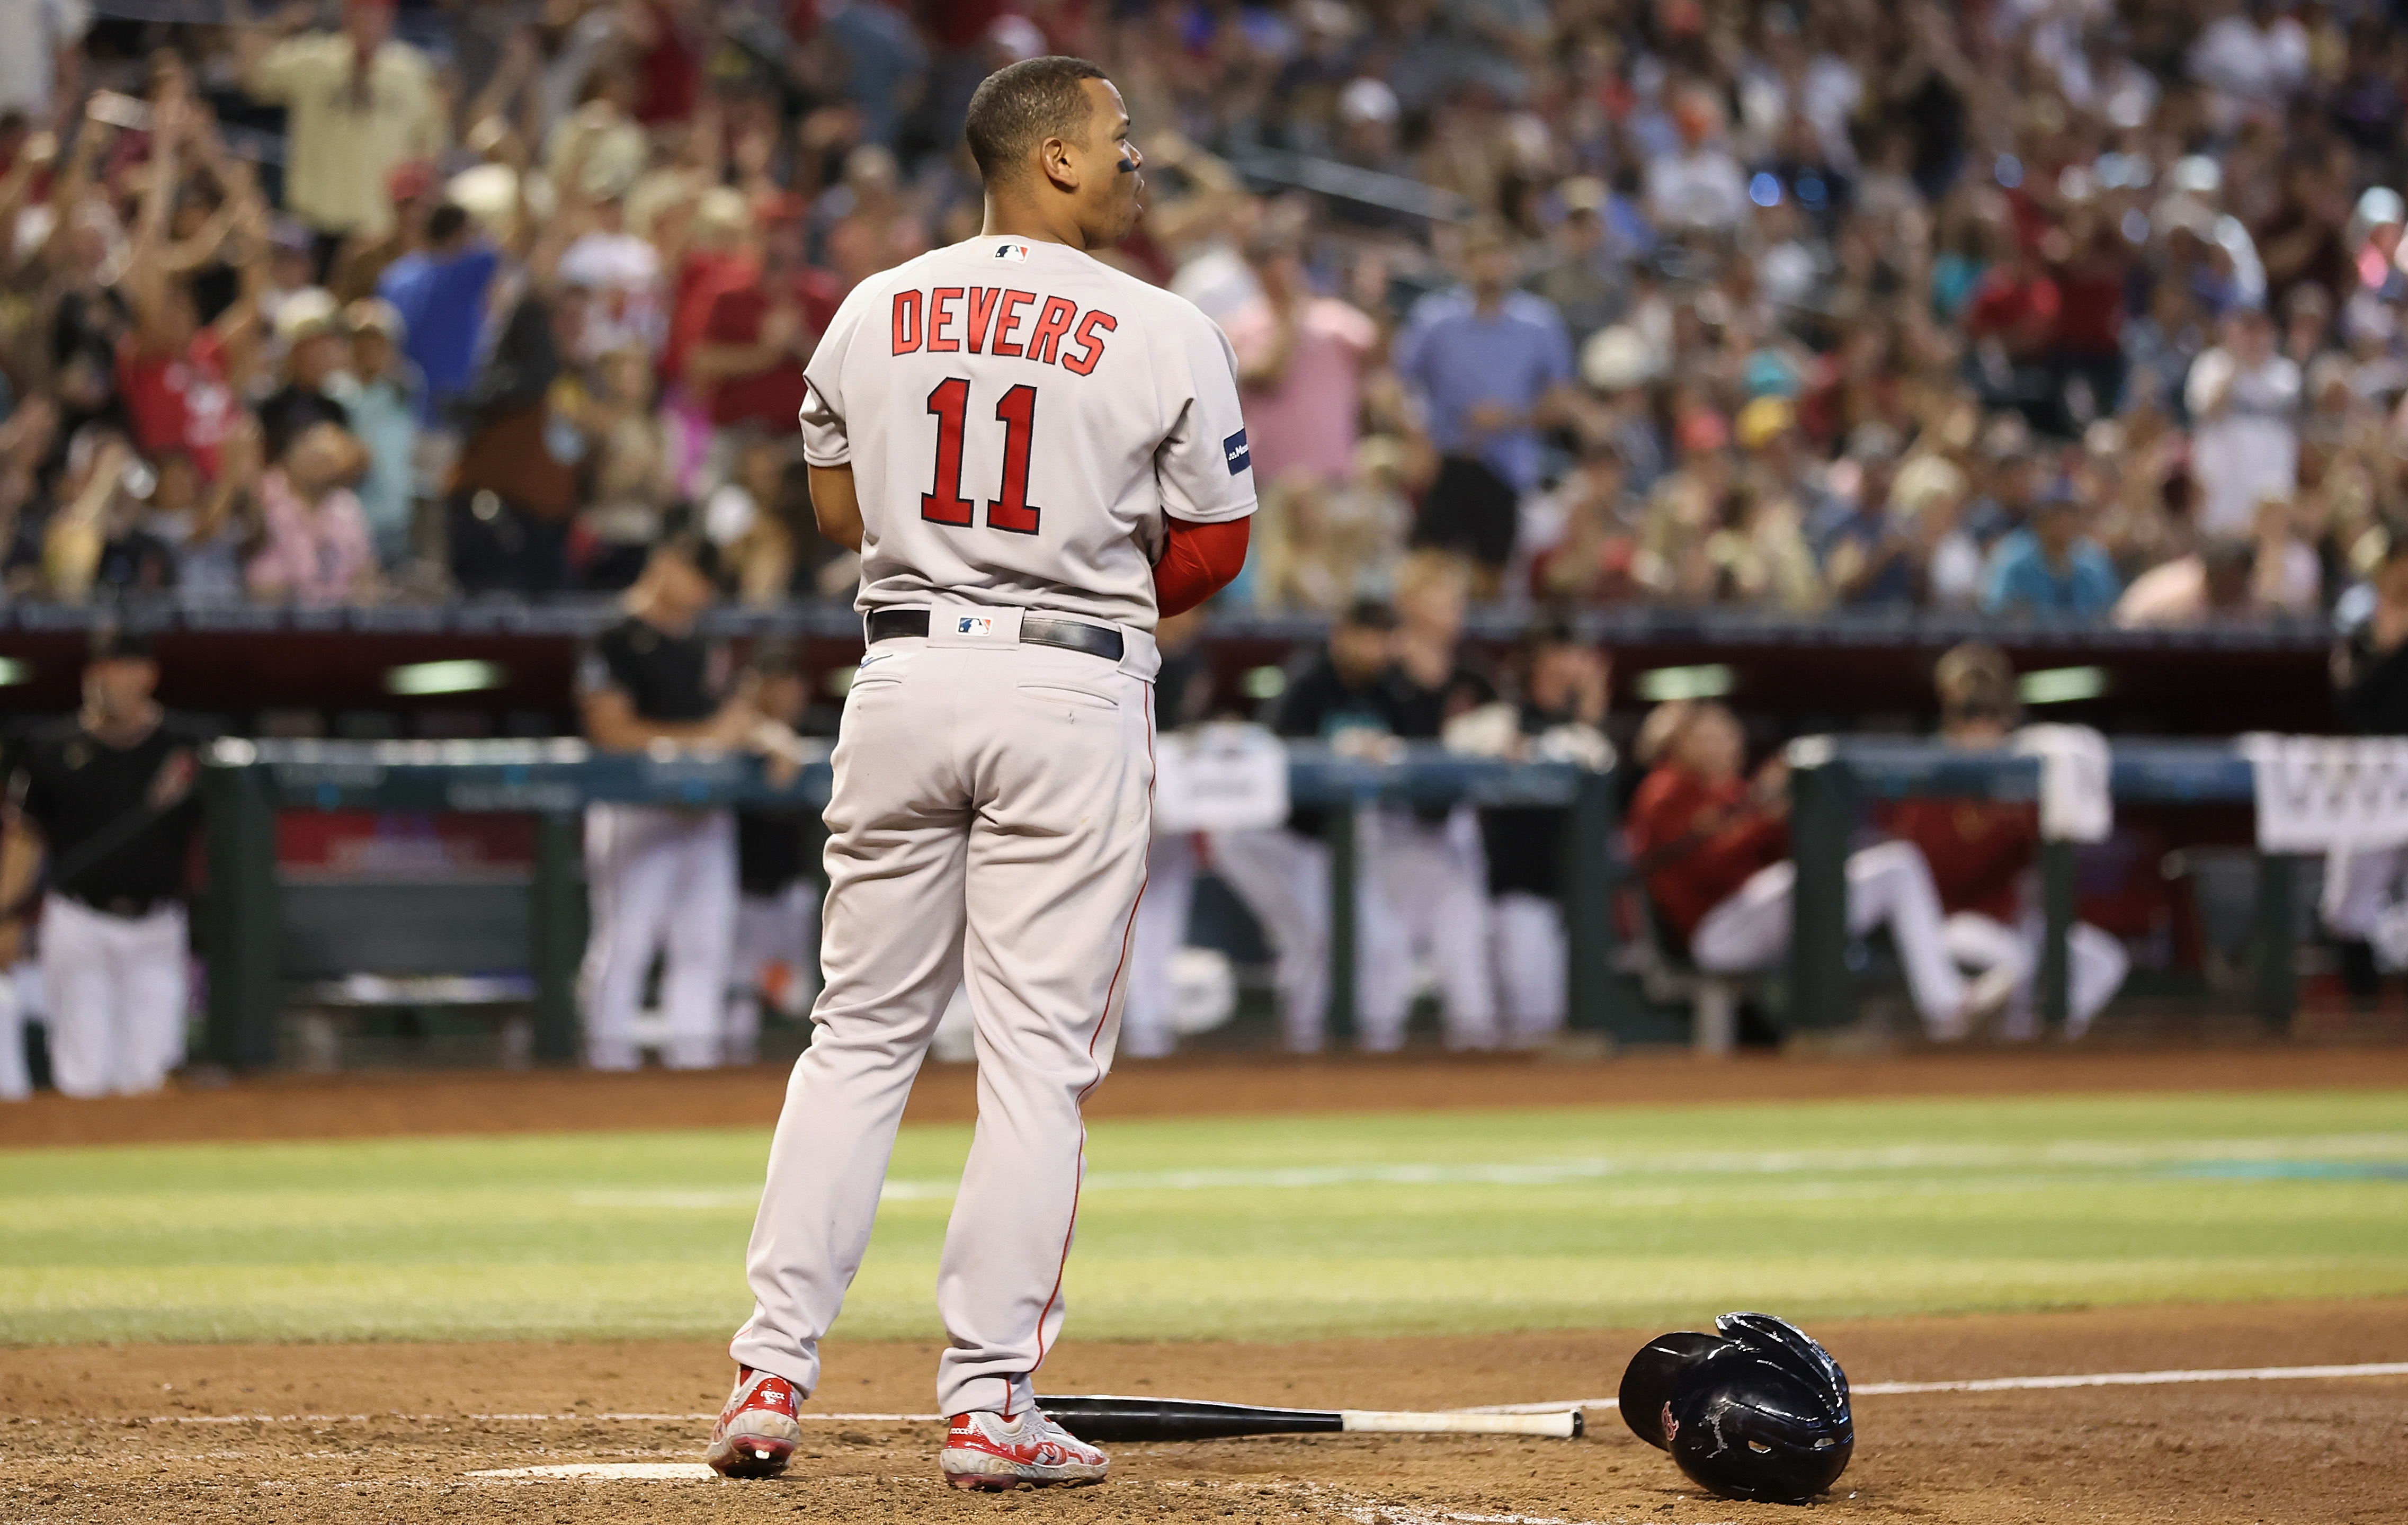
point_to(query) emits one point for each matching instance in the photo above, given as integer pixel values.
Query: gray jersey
(1020, 418)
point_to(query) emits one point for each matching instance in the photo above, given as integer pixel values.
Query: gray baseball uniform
(1018, 418)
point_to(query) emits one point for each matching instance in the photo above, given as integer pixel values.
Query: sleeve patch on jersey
(1234, 450)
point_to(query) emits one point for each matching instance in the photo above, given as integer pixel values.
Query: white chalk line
(1869, 1390)
(1573, 1170)
(2041, 1384)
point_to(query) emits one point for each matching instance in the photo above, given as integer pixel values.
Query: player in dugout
(664, 879)
(1713, 845)
(1982, 854)
(101, 808)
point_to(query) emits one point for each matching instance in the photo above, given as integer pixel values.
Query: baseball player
(661, 879)
(1037, 456)
(1715, 848)
(1349, 687)
(1183, 697)
(107, 799)
(1982, 856)
(778, 908)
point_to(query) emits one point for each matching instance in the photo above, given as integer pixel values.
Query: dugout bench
(246, 784)
(1831, 777)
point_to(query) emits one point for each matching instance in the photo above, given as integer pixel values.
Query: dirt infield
(381, 1434)
(407, 1103)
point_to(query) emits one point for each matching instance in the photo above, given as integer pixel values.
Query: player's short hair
(1021, 105)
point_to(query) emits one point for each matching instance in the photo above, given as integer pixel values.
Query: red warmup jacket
(1978, 850)
(1697, 844)
(1197, 561)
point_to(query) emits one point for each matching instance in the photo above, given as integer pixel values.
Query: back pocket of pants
(1080, 699)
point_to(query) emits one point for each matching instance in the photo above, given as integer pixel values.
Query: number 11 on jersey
(1009, 509)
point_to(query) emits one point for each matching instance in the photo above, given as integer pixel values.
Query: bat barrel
(1564, 1426)
(1102, 1418)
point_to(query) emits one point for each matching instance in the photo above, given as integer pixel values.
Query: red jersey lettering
(906, 322)
(1088, 336)
(982, 304)
(1008, 319)
(938, 318)
(1045, 339)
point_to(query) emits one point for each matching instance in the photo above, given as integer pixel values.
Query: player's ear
(1059, 161)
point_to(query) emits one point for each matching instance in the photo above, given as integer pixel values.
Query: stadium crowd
(2051, 307)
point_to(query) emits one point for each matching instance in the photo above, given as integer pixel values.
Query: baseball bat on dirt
(1106, 1418)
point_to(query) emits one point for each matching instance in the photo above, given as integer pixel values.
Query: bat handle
(1563, 1426)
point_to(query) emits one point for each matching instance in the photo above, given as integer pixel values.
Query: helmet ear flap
(1647, 1381)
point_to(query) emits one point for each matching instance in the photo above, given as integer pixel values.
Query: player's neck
(1015, 218)
(121, 730)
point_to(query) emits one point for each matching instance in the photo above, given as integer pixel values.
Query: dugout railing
(248, 783)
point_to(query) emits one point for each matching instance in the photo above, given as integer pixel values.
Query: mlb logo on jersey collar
(1010, 248)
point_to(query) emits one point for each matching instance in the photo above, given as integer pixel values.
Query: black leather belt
(1069, 635)
(124, 907)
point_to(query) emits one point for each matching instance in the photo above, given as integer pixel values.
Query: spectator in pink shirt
(1300, 362)
(318, 547)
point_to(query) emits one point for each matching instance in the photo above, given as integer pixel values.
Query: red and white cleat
(758, 1429)
(989, 1451)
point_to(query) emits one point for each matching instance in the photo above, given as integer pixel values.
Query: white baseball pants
(1530, 947)
(2360, 904)
(1889, 884)
(2095, 968)
(1433, 882)
(1004, 792)
(772, 964)
(1161, 931)
(16, 1082)
(115, 987)
(659, 881)
(1283, 879)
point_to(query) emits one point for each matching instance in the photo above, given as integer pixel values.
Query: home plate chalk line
(1869, 1390)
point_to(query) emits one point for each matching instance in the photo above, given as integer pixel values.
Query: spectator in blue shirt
(2050, 567)
(438, 292)
(1493, 366)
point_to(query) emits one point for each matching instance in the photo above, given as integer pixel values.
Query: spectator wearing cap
(1584, 275)
(2244, 397)
(2050, 567)
(1491, 366)
(316, 346)
(438, 292)
(380, 390)
(409, 191)
(748, 360)
(358, 103)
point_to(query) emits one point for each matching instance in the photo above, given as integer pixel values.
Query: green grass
(1255, 1227)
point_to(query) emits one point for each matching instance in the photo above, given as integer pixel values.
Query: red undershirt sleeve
(1197, 561)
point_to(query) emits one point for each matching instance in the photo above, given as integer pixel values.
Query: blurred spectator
(2214, 580)
(318, 547)
(41, 66)
(438, 292)
(1493, 366)
(1301, 361)
(379, 392)
(2244, 398)
(2052, 567)
(358, 103)
(761, 330)
(310, 330)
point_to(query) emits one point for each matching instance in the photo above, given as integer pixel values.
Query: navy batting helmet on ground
(1754, 1411)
